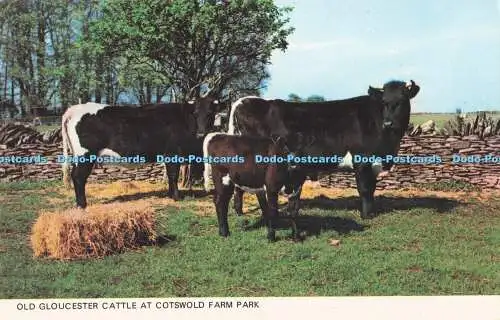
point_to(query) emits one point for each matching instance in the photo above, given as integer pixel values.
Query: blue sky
(450, 48)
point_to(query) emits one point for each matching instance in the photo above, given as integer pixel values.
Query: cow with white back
(101, 130)
(264, 179)
(367, 125)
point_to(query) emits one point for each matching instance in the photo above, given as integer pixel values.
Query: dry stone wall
(483, 175)
(52, 170)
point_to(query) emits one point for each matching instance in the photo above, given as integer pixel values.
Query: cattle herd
(367, 125)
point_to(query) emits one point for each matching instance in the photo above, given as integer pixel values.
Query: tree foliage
(57, 52)
(195, 44)
(293, 97)
(315, 98)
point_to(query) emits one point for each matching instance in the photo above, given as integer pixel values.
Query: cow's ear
(375, 93)
(413, 89)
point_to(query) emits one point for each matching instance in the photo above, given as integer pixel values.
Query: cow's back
(131, 131)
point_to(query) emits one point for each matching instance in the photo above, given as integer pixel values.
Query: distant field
(441, 118)
(46, 128)
(416, 118)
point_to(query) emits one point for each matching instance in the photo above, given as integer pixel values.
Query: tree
(315, 98)
(194, 45)
(42, 64)
(23, 45)
(292, 97)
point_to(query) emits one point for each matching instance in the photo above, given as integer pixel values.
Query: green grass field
(441, 118)
(46, 128)
(423, 243)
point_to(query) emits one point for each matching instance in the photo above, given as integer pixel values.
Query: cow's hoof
(224, 234)
(271, 238)
(368, 216)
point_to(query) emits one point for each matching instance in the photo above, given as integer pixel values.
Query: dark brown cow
(233, 163)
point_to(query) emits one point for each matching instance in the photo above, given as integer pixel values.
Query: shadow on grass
(383, 204)
(157, 194)
(163, 240)
(316, 224)
(159, 241)
(313, 224)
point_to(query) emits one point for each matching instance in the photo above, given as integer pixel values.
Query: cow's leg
(173, 179)
(271, 214)
(165, 176)
(238, 201)
(366, 184)
(261, 197)
(222, 197)
(79, 174)
(293, 205)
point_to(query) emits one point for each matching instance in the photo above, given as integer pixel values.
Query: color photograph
(178, 149)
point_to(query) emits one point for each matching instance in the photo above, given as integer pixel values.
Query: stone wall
(485, 176)
(52, 170)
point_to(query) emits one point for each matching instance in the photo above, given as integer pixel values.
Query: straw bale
(98, 231)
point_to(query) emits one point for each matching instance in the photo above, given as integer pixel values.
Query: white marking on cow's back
(207, 172)
(231, 126)
(347, 161)
(74, 114)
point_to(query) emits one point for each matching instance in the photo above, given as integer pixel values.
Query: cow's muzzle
(387, 125)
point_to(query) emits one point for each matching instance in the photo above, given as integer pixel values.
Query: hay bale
(99, 231)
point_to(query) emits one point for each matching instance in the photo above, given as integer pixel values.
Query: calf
(233, 163)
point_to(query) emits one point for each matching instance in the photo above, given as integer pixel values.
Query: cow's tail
(207, 172)
(66, 144)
